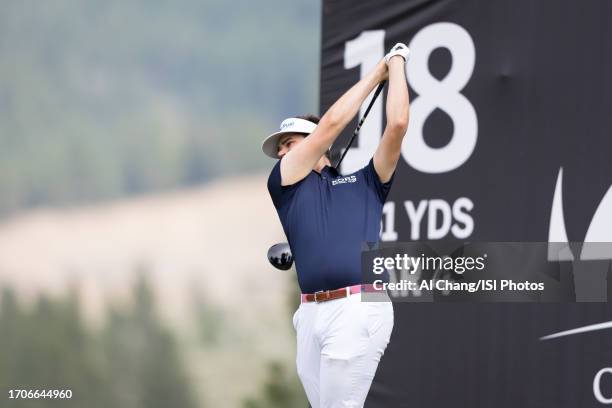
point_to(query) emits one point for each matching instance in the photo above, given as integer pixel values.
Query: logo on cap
(287, 124)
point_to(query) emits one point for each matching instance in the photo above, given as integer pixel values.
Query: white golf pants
(339, 345)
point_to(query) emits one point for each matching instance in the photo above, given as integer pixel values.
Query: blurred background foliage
(99, 99)
(131, 362)
(281, 387)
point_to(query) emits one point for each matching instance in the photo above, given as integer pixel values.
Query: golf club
(365, 114)
(279, 254)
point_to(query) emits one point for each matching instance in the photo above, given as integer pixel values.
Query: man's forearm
(344, 109)
(397, 98)
(388, 152)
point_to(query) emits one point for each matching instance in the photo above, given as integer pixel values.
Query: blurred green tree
(281, 387)
(132, 362)
(48, 347)
(143, 358)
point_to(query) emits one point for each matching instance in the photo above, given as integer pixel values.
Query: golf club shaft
(356, 132)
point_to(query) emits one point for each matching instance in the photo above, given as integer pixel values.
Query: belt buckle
(315, 296)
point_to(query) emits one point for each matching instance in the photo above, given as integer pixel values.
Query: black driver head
(280, 256)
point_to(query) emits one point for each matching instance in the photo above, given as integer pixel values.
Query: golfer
(327, 217)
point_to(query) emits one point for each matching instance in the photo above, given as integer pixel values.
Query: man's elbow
(331, 121)
(327, 130)
(398, 126)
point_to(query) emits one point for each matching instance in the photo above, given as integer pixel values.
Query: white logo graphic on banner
(589, 282)
(600, 228)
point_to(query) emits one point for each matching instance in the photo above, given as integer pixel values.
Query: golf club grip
(365, 114)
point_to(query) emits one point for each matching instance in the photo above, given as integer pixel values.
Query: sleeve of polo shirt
(280, 194)
(382, 189)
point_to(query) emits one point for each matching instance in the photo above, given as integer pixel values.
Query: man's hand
(399, 49)
(383, 70)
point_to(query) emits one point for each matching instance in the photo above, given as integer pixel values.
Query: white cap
(290, 125)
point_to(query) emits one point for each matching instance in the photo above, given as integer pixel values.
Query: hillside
(209, 241)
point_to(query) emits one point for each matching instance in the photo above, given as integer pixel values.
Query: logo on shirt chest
(344, 180)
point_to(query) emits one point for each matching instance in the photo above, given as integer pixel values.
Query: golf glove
(398, 49)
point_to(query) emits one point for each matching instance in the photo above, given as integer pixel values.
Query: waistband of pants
(333, 294)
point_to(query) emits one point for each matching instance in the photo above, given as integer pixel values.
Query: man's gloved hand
(398, 49)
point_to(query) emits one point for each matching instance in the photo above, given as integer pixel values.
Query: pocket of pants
(295, 318)
(379, 315)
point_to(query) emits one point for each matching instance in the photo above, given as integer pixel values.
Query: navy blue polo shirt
(327, 217)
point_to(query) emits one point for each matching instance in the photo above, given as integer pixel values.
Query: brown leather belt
(325, 295)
